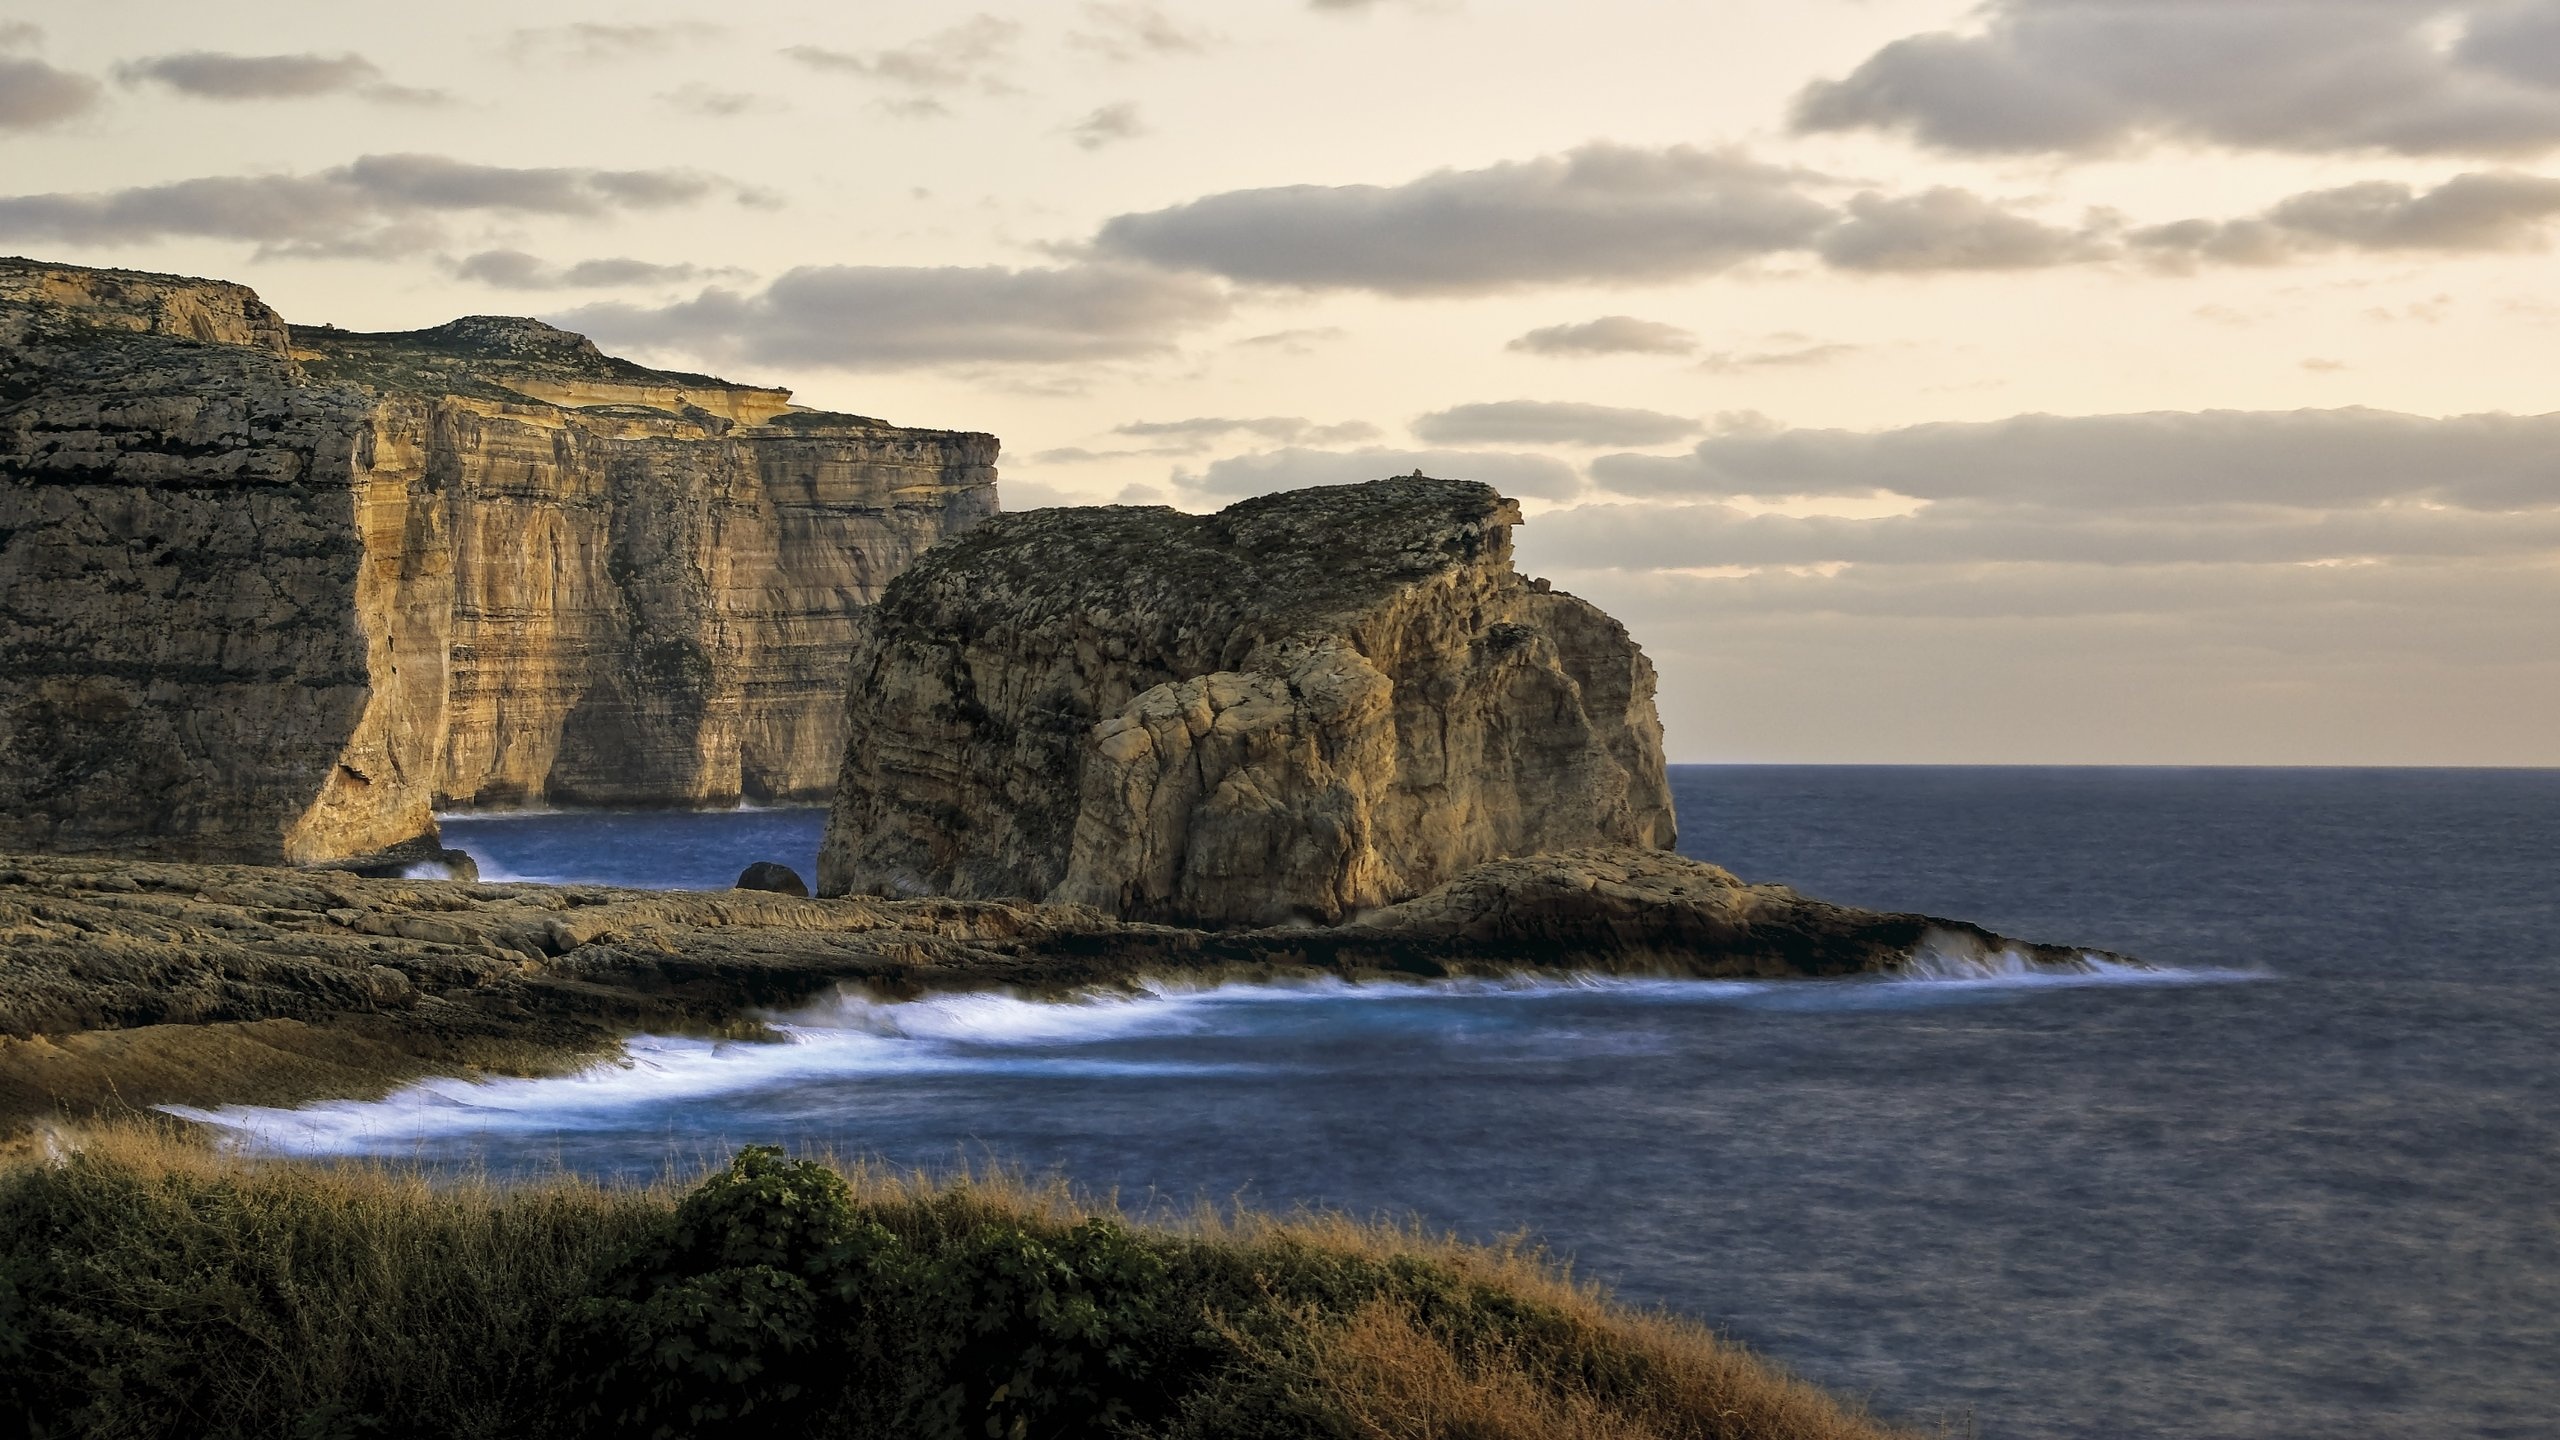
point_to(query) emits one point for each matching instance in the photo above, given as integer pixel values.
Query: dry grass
(215, 1296)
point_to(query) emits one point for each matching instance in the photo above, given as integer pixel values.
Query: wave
(1949, 958)
(1152, 1032)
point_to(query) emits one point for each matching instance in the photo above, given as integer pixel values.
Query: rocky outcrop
(133, 983)
(1302, 707)
(279, 593)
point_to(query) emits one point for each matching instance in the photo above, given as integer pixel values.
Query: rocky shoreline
(128, 984)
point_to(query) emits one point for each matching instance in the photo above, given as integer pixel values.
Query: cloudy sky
(2037, 380)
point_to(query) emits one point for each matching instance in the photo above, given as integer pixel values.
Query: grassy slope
(150, 1287)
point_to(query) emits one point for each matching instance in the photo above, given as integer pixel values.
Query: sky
(2034, 381)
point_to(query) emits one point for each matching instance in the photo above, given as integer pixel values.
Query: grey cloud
(2418, 605)
(2482, 211)
(1614, 214)
(1126, 32)
(1551, 422)
(1735, 362)
(2088, 75)
(1296, 342)
(962, 56)
(1673, 537)
(2521, 42)
(880, 317)
(1107, 125)
(1608, 335)
(2261, 547)
(377, 205)
(18, 34)
(590, 41)
(697, 99)
(516, 270)
(1538, 476)
(1199, 432)
(2132, 462)
(1944, 228)
(1599, 213)
(209, 75)
(34, 95)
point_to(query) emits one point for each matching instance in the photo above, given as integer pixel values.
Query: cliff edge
(278, 593)
(1305, 706)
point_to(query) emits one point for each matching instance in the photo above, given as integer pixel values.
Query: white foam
(1951, 959)
(853, 1035)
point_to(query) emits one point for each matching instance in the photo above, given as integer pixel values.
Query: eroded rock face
(1301, 707)
(278, 593)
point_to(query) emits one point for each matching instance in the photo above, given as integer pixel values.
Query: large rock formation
(1304, 706)
(275, 592)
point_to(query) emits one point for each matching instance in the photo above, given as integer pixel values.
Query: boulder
(773, 876)
(1304, 706)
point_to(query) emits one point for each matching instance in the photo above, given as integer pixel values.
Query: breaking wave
(1199, 1032)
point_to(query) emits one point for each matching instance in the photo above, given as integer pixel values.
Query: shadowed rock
(1304, 706)
(280, 592)
(773, 876)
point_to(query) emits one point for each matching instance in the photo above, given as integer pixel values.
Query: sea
(2298, 1177)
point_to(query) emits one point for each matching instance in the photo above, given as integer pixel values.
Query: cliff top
(1281, 560)
(73, 297)
(507, 358)
(493, 345)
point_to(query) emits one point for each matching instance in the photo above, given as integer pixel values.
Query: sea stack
(1302, 707)
(278, 593)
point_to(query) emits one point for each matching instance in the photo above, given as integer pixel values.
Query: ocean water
(2302, 1180)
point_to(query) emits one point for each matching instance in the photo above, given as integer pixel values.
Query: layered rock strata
(1302, 707)
(274, 592)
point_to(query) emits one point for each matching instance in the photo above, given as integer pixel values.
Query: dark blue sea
(2303, 1180)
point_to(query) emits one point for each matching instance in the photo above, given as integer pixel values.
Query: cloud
(1608, 335)
(1695, 537)
(211, 75)
(1945, 228)
(516, 270)
(716, 104)
(2230, 559)
(591, 42)
(1536, 476)
(1199, 432)
(1107, 125)
(2079, 76)
(882, 317)
(1798, 351)
(1551, 422)
(378, 205)
(34, 95)
(1295, 342)
(1609, 214)
(1126, 32)
(2162, 460)
(2480, 212)
(1602, 213)
(968, 56)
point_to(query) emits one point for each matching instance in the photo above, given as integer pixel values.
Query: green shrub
(1040, 1337)
(753, 1305)
(150, 1289)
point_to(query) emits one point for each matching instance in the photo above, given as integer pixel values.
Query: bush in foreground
(151, 1288)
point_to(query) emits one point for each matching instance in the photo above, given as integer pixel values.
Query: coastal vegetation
(152, 1286)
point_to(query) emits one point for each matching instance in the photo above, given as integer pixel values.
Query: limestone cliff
(1304, 706)
(277, 593)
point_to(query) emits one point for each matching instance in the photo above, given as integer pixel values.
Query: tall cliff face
(273, 592)
(1304, 706)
